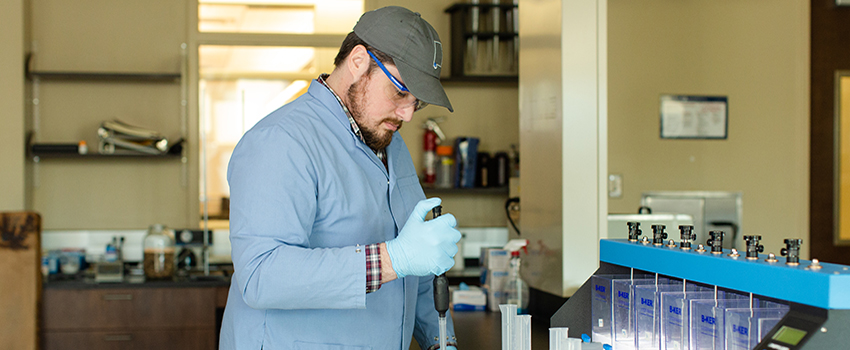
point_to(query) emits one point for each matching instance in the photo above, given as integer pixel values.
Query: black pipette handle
(441, 283)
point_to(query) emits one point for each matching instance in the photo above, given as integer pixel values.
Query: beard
(374, 136)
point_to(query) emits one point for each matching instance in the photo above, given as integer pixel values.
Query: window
(253, 57)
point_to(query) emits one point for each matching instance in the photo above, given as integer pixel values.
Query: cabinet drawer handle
(118, 337)
(114, 297)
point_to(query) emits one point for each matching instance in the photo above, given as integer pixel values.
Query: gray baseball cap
(414, 46)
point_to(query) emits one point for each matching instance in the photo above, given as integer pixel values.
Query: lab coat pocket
(316, 346)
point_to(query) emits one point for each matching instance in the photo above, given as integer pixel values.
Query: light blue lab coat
(306, 196)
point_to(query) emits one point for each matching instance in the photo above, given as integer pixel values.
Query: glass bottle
(159, 253)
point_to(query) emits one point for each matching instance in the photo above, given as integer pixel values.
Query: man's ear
(358, 62)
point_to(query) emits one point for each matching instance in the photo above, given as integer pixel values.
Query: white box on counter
(473, 299)
(494, 274)
(496, 259)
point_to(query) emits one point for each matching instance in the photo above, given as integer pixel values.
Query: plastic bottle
(516, 290)
(445, 167)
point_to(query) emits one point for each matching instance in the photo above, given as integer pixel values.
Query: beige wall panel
(73, 110)
(77, 194)
(106, 35)
(113, 37)
(756, 53)
(12, 105)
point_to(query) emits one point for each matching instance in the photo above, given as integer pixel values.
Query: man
(329, 243)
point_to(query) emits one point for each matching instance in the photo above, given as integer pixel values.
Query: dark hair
(350, 42)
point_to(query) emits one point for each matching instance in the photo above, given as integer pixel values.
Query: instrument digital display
(789, 335)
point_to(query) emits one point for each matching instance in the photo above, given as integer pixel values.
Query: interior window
(240, 81)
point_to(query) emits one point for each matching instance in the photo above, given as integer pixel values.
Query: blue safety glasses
(402, 98)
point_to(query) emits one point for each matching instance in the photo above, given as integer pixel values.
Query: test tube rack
(818, 293)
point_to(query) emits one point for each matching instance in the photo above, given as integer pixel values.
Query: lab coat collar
(327, 99)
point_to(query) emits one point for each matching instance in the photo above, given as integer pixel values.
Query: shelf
(93, 76)
(487, 23)
(505, 79)
(488, 35)
(461, 6)
(42, 155)
(472, 191)
(68, 150)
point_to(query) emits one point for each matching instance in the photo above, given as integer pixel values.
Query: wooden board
(20, 279)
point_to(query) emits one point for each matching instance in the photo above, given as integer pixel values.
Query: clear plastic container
(708, 319)
(516, 291)
(606, 300)
(675, 316)
(508, 317)
(745, 328)
(159, 253)
(559, 339)
(648, 311)
(522, 332)
(602, 307)
(623, 326)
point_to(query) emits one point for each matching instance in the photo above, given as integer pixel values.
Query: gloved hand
(424, 248)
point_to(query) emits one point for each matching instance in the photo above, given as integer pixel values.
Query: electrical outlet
(615, 186)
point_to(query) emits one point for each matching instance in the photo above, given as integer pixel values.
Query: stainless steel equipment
(711, 211)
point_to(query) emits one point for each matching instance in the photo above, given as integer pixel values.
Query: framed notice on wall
(694, 117)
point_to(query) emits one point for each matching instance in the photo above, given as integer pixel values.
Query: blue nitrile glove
(424, 248)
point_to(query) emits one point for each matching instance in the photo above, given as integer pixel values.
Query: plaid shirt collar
(381, 153)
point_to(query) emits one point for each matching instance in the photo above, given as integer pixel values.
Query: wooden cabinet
(137, 318)
(130, 339)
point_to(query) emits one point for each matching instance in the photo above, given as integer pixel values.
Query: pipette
(441, 293)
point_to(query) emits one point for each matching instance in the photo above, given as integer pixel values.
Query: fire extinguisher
(431, 138)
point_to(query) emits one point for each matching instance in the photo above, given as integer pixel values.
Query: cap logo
(438, 54)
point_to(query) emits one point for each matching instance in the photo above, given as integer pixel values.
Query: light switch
(615, 185)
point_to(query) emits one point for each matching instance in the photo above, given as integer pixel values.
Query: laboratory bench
(185, 313)
(483, 330)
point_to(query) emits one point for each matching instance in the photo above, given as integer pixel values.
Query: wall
(830, 52)
(12, 105)
(108, 37)
(145, 37)
(753, 51)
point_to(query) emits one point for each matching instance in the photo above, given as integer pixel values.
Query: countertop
(179, 282)
(483, 330)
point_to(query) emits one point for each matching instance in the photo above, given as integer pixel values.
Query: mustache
(395, 122)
